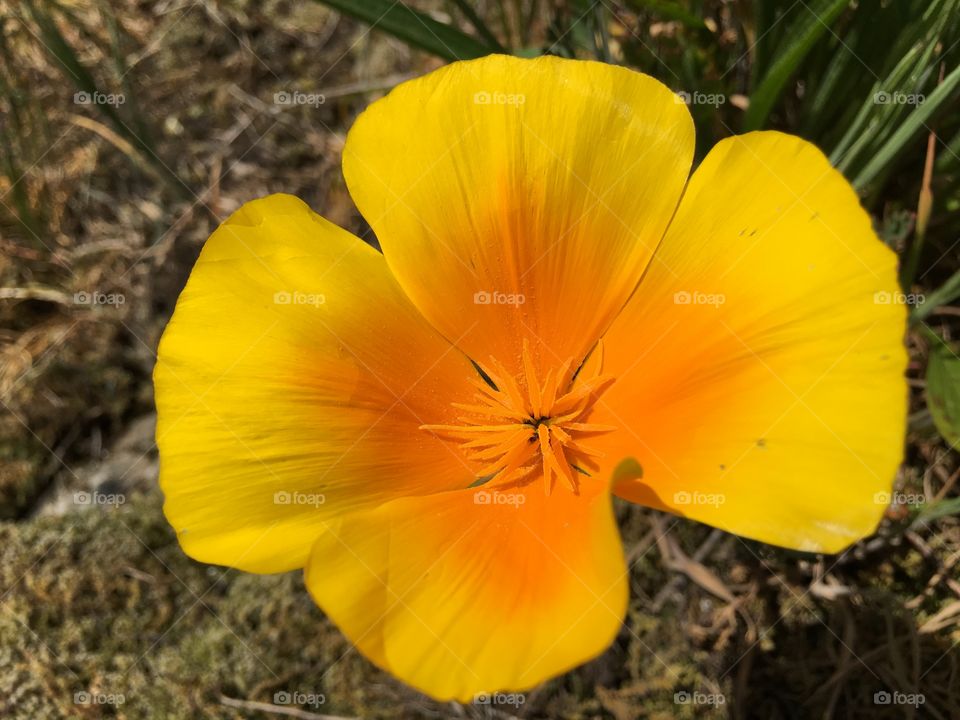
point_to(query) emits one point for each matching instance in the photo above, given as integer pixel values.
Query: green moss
(106, 602)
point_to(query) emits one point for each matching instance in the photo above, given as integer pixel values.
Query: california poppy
(559, 315)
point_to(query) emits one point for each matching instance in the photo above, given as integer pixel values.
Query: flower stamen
(514, 435)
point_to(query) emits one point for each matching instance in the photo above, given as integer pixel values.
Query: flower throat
(517, 431)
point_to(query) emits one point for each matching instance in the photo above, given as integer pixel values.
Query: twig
(699, 556)
(277, 709)
(36, 293)
(924, 208)
(947, 487)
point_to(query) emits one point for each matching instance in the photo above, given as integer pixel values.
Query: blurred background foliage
(129, 129)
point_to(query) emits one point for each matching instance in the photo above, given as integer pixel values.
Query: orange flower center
(522, 428)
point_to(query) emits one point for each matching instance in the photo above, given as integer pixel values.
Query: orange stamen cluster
(519, 429)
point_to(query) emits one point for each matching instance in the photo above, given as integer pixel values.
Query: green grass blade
(479, 25)
(670, 11)
(914, 124)
(855, 135)
(69, 62)
(67, 58)
(803, 37)
(944, 295)
(414, 28)
(943, 391)
(941, 509)
(876, 122)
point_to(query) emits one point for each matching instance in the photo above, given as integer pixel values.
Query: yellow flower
(559, 314)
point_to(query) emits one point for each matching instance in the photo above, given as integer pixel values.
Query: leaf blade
(414, 28)
(768, 91)
(943, 392)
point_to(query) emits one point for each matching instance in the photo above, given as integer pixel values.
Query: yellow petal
(520, 198)
(475, 591)
(760, 364)
(290, 384)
